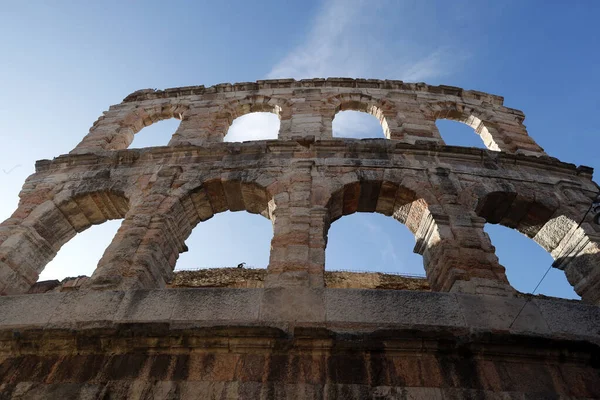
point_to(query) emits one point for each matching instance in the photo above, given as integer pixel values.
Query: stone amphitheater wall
(123, 333)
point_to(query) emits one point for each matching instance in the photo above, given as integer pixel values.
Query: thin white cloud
(378, 237)
(350, 38)
(357, 38)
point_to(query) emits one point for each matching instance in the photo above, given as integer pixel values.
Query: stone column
(306, 117)
(202, 124)
(575, 251)
(145, 249)
(23, 254)
(510, 136)
(458, 255)
(298, 244)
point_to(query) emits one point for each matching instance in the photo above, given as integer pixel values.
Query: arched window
(357, 125)
(226, 240)
(80, 255)
(526, 262)
(372, 242)
(457, 133)
(157, 134)
(253, 126)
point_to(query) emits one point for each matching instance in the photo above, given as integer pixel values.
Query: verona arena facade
(303, 182)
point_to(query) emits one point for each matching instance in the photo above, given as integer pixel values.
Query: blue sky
(63, 64)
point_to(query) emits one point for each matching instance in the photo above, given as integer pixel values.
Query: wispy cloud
(379, 237)
(382, 39)
(359, 38)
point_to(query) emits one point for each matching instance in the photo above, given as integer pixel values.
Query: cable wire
(550, 267)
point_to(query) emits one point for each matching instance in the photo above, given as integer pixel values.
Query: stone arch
(147, 246)
(542, 217)
(115, 130)
(438, 238)
(383, 110)
(209, 122)
(142, 117)
(259, 103)
(34, 242)
(473, 117)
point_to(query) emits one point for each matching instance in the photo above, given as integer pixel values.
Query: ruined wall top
(152, 94)
(407, 112)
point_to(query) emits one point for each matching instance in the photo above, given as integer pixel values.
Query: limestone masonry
(133, 330)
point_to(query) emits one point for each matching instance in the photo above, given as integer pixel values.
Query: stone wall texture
(125, 332)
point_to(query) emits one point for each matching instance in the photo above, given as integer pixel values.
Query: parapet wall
(296, 343)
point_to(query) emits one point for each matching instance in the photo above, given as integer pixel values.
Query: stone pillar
(307, 117)
(575, 251)
(23, 254)
(298, 244)
(202, 124)
(458, 255)
(509, 135)
(411, 125)
(145, 249)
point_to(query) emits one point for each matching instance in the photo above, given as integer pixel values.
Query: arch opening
(526, 262)
(52, 224)
(358, 125)
(388, 200)
(198, 205)
(372, 242)
(540, 221)
(458, 133)
(80, 256)
(259, 125)
(227, 240)
(469, 117)
(156, 134)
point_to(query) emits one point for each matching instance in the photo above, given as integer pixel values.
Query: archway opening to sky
(80, 255)
(357, 125)
(157, 134)
(457, 133)
(372, 242)
(253, 126)
(526, 262)
(226, 240)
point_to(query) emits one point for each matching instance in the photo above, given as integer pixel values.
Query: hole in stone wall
(357, 125)
(80, 255)
(526, 262)
(457, 133)
(227, 239)
(253, 126)
(157, 134)
(372, 242)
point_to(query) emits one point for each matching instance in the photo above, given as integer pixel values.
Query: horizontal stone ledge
(350, 83)
(340, 310)
(261, 149)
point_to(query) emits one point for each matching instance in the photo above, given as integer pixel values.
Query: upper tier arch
(407, 112)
